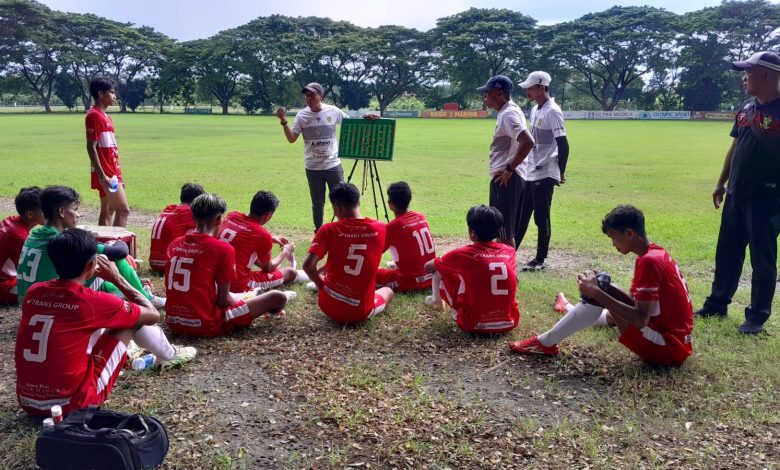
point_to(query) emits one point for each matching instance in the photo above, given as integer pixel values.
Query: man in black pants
(545, 166)
(751, 212)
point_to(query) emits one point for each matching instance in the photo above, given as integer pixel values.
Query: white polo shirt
(320, 144)
(510, 123)
(546, 125)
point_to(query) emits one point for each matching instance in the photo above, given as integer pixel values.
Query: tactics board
(367, 139)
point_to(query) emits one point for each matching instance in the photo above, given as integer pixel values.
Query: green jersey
(34, 262)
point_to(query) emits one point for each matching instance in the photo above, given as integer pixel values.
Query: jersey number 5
(179, 268)
(358, 259)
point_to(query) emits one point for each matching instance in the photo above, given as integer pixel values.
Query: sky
(196, 19)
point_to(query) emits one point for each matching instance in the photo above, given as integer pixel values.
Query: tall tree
(217, 64)
(611, 49)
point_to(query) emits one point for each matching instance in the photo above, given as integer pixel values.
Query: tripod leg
(381, 193)
(372, 168)
(349, 178)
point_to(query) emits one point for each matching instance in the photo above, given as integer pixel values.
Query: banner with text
(713, 115)
(464, 114)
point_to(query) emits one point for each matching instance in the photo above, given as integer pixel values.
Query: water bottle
(144, 362)
(56, 414)
(113, 184)
(48, 423)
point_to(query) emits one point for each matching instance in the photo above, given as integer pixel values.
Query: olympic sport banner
(665, 115)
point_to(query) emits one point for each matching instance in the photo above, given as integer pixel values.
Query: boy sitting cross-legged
(478, 281)
(14, 230)
(409, 241)
(174, 221)
(253, 244)
(655, 320)
(198, 275)
(354, 246)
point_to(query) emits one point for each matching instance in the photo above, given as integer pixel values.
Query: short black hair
(623, 218)
(28, 199)
(98, 84)
(54, 197)
(485, 221)
(207, 206)
(70, 251)
(189, 191)
(400, 194)
(345, 193)
(263, 202)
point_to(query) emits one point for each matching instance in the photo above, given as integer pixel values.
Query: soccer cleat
(158, 302)
(311, 285)
(532, 346)
(183, 354)
(534, 265)
(392, 264)
(562, 304)
(290, 294)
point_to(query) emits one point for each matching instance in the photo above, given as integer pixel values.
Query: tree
(611, 49)
(479, 43)
(171, 75)
(67, 90)
(217, 64)
(134, 93)
(81, 39)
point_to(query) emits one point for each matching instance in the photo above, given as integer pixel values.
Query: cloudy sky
(193, 19)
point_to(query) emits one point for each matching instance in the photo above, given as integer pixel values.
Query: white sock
(436, 287)
(569, 307)
(152, 338)
(602, 321)
(576, 319)
(301, 276)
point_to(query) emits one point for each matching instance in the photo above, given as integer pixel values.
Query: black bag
(99, 439)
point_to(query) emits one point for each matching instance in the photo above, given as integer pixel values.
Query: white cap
(536, 78)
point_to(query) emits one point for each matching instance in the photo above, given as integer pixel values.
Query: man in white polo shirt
(511, 144)
(545, 166)
(317, 122)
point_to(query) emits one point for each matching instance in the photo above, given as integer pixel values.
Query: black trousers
(508, 200)
(317, 180)
(752, 222)
(537, 200)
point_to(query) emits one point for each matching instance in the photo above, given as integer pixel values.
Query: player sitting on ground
(253, 244)
(72, 341)
(478, 281)
(14, 230)
(409, 241)
(60, 207)
(174, 221)
(354, 246)
(197, 262)
(655, 320)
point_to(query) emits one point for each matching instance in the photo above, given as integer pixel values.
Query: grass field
(407, 390)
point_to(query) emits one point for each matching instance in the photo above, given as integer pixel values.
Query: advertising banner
(464, 114)
(679, 115)
(713, 115)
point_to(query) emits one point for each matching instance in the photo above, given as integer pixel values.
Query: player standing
(174, 221)
(354, 246)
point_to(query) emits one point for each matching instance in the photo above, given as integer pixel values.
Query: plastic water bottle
(113, 184)
(144, 362)
(56, 414)
(48, 423)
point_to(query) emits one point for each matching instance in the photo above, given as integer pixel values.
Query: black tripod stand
(370, 171)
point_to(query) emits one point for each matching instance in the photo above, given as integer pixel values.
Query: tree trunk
(225, 104)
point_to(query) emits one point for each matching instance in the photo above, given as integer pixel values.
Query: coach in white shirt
(317, 122)
(545, 166)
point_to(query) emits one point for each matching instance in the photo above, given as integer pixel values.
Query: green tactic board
(367, 139)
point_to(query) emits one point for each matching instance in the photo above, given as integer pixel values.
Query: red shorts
(392, 278)
(261, 280)
(109, 173)
(107, 358)
(8, 292)
(346, 314)
(228, 319)
(673, 353)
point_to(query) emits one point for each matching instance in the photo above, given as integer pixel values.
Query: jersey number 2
(502, 275)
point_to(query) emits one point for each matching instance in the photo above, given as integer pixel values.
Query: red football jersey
(197, 263)
(410, 243)
(251, 242)
(479, 283)
(13, 233)
(61, 321)
(173, 222)
(354, 248)
(657, 277)
(100, 129)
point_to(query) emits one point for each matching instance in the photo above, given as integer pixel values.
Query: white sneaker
(183, 354)
(391, 264)
(436, 304)
(311, 285)
(133, 351)
(158, 302)
(290, 294)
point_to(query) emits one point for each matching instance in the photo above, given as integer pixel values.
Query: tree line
(643, 57)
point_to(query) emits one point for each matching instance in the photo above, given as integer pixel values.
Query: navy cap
(766, 59)
(499, 82)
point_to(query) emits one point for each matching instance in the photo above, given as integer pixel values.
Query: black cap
(499, 82)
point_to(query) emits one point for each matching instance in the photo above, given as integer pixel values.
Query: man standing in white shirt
(511, 144)
(317, 122)
(545, 167)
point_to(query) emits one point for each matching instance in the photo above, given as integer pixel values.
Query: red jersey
(411, 245)
(354, 248)
(173, 222)
(61, 321)
(657, 277)
(251, 242)
(13, 233)
(479, 283)
(100, 129)
(197, 263)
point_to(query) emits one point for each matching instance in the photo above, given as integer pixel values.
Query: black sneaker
(534, 265)
(709, 312)
(750, 328)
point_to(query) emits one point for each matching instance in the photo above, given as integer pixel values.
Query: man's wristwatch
(284, 123)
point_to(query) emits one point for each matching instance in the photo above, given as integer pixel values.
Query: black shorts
(508, 200)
